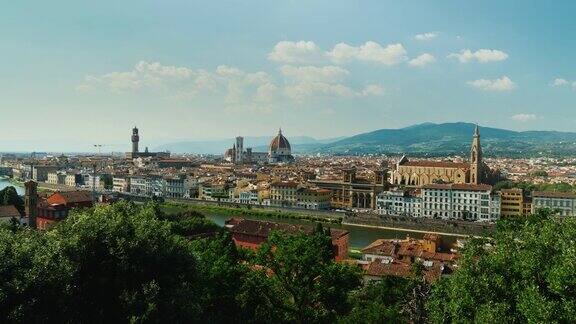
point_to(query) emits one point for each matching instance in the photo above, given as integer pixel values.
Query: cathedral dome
(279, 143)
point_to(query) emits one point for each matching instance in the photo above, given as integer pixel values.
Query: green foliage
(128, 263)
(529, 187)
(526, 274)
(307, 284)
(249, 212)
(381, 302)
(189, 223)
(9, 196)
(540, 173)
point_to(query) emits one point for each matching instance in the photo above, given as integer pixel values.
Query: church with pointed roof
(419, 173)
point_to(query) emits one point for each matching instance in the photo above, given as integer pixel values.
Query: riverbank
(246, 211)
(421, 225)
(406, 230)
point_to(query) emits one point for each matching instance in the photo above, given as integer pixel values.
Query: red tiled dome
(279, 143)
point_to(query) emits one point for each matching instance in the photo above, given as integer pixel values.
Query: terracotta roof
(289, 184)
(75, 196)
(279, 142)
(458, 186)
(263, 229)
(402, 269)
(437, 164)
(553, 194)
(9, 211)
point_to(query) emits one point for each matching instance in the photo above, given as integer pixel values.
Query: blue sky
(74, 73)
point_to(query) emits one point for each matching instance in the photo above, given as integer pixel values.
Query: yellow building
(511, 202)
(313, 198)
(283, 193)
(353, 192)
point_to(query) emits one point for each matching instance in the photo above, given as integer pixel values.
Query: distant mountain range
(454, 138)
(426, 139)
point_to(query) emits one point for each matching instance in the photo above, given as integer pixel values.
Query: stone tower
(476, 158)
(135, 140)
(31, 202)
(239, 153)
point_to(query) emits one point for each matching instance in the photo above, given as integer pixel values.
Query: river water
(359, 236)
(5, 183)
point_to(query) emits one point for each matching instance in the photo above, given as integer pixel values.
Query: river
(359, 236)
(4, 182)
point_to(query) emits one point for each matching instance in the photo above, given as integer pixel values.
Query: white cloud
(425, 36)
(559, 82)
(524, 117)
(370, 51)
(373, 90)
(481, 55)
(302, 90)
(422, 60)
(295, 52)
(502, 84)
(230, 85)
(329, 73)
(265, 92)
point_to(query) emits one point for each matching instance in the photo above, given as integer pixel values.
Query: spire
(477, 131)
(280, 131)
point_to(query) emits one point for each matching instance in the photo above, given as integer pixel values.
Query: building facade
(353, 192)
(561, 203)
(458, 201)
(399, 203)
(420, 173)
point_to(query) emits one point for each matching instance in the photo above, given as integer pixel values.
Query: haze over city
(195, 70)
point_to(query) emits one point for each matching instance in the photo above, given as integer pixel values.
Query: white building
(56, 177)
(399, 203)
(177, 187)
(121, 183)
(562, 203)
(459, 201)
(249, 197)
(139, 186)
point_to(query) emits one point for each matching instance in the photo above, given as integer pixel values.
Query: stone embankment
(421, 224)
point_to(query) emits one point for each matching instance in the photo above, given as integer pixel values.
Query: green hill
(454, 138)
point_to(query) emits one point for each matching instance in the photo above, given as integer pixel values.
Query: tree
(307, 284)
(381, 302)
(9, 196)
(525, 274)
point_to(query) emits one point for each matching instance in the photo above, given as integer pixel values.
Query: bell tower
(31, 202)
(135, 140)
(476, 164)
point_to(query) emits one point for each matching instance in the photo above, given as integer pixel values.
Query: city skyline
(86, 73)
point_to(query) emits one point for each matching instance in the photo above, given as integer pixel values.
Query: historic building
(353, 192)
(419, 173)
(561, 203)
(135, 153)
(460, 201)
(280, 150)
(237, 155)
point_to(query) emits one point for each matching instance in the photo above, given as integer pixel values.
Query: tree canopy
(525, 274)
(9, 196)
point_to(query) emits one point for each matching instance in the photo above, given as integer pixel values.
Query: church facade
(420, 173)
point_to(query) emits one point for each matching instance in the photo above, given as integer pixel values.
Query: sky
(78, 73)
